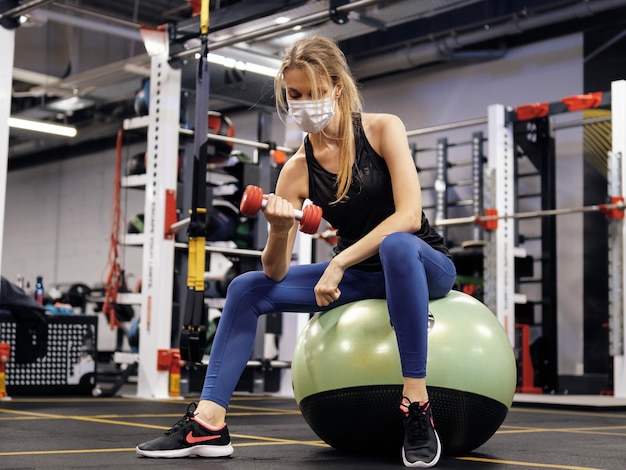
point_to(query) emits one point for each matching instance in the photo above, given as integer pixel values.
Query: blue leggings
(413, 272)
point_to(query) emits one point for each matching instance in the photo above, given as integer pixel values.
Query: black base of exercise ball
(368, 421)
(362, 420)
(464, 420)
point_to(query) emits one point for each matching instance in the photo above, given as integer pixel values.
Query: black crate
(69, 364)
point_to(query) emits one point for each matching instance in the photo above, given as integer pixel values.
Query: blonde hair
(322, 60)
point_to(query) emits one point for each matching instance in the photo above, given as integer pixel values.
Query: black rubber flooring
(269, 433)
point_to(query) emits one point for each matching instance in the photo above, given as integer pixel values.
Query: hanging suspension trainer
(193, 332)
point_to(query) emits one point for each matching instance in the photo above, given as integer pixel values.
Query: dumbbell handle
(298, 214)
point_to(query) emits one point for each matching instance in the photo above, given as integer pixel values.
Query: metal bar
(531, 214)
(480, 121)
(449, 165)
(224, 250)
(580, 122)
(94, 25)
(98, 16)
(461, 203)
(445, 127)
(274, 28)
(24, 8)
(450, 185)
(250, 143)
(545, 164)
(462, 143)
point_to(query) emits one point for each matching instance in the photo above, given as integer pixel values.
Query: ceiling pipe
(307, 20)
(24, 8)
(90, 25)
(97, 16)
(412, 57)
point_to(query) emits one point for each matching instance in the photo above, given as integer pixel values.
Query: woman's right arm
(283, 227)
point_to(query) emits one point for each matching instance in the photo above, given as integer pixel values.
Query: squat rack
(497, 222)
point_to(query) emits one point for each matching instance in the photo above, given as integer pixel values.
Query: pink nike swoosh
(191, 439)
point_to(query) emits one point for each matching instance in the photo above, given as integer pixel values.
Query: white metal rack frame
(500, 243)
(158, 248)
(7, 38)
(617, 317)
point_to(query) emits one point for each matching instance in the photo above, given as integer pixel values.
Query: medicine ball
(222, 222)
(142, 99)
(136, 165)
(135, 224)
(133, 336)
(219, 151)
(222, 284)
(76, 295)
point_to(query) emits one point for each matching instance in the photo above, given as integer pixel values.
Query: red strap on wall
(5, 354)
(171, 217)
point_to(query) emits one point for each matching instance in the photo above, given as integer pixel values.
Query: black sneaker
(188, 438)
(422, 447)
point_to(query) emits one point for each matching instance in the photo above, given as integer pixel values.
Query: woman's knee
(245, 282)
(397, 246)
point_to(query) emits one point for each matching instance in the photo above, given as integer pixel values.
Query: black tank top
(369, 200)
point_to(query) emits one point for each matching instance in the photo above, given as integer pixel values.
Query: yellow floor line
(525, 464)
(594, 413)
(257, 441)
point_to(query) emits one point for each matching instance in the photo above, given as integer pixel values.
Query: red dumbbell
(253, 201)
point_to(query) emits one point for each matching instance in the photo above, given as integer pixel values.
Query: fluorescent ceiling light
(45, 127)
(69, 105)
(241, 65)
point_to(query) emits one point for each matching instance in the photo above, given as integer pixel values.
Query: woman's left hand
(327, 290)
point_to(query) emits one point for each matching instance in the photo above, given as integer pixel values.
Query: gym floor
(268, 432)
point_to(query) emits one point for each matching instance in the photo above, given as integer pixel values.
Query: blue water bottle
(39, 290)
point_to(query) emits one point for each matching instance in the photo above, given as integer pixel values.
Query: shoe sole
(195, 451)
(420, 464)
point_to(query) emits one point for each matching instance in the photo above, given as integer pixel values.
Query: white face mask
(312, 115)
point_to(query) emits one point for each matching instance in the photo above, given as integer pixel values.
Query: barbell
(489, 221)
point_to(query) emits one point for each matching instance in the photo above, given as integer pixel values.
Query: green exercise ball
(347, 379)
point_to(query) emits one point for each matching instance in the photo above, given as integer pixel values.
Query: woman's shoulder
(294, 171)
(296, 163)
(379, 121)
(378, 125)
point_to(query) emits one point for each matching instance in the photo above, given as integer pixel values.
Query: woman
(359, 169)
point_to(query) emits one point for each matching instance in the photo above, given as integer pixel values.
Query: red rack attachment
(489, 224)
(586, 101)
(615, 210)
(171, 217)
(532, 111)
